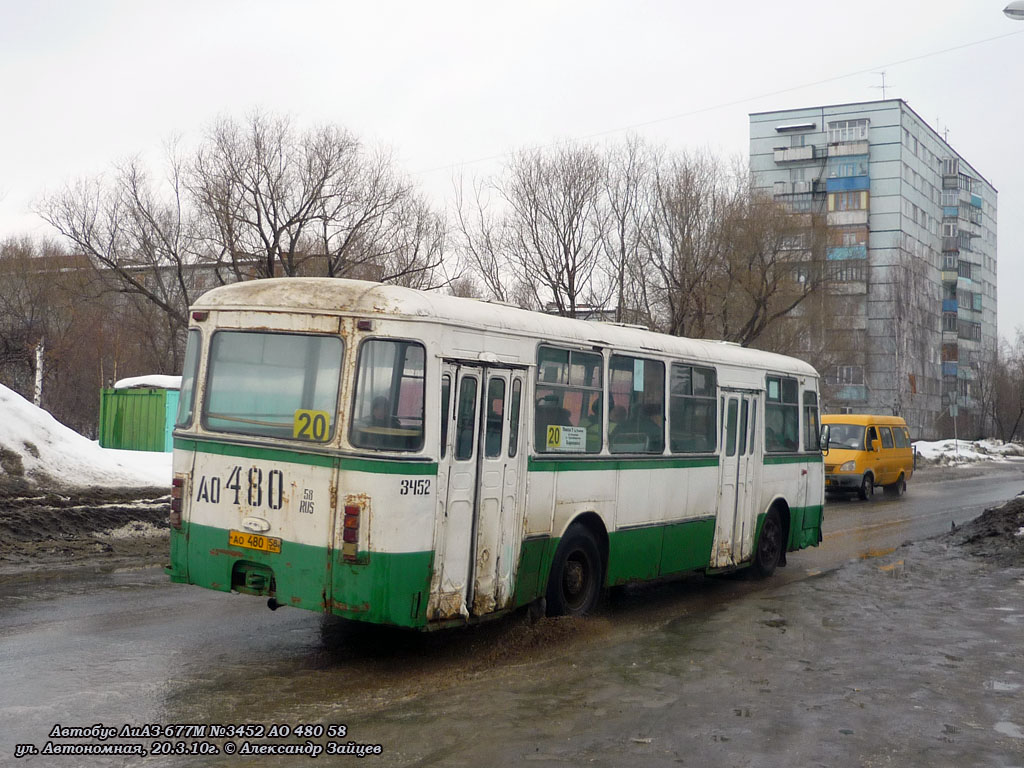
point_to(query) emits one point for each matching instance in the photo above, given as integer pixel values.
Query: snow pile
(964, 451)
(157, 381)
(37, 448)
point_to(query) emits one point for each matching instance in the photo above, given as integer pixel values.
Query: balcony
(950, 276)
(794, 154)
(949, 305)
(843, 252)
(949, 369)
(793, 187)
(848, 148)
(847, 183)
(847, 218)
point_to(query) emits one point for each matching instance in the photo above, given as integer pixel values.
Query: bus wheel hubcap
(573, 577)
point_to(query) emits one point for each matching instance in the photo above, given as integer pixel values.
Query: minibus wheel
(574, 585)
(867, 487)
(898, 488)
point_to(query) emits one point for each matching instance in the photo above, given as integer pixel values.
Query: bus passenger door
(734, 526)
(498, 523)
(479, 517)
(456, 502)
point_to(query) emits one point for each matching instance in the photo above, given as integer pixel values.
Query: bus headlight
(849, 466)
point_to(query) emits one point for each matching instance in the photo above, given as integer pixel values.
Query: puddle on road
(1012, 730)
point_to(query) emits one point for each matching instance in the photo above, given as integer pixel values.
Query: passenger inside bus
(382, 429)
(592, 423)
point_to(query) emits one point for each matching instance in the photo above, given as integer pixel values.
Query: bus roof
(862, 419)
(339, 296)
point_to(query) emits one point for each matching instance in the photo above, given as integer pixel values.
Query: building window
(847, 130)
(850, 375)
(849, 201)
(847, 271)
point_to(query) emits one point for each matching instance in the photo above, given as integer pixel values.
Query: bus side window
(495, 410)
(513, 419)
(464, 429)
(446, 397)
(781, 415)
(730, 427)
(753, 427)
(811, 426)
(743, 428)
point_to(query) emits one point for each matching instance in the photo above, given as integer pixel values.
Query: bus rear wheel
(769, 545)
(574, 585)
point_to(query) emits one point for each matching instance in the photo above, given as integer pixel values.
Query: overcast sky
(450, 85)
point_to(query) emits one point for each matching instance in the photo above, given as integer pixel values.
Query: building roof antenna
(883, 86)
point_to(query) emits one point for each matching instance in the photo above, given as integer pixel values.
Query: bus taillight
(177, 492)
(350, 533)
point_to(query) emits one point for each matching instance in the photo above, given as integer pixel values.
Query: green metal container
(139, 419)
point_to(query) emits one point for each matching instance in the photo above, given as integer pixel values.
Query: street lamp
(1015, 10)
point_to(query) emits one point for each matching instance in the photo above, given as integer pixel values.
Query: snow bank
(156, 380)
(965, 451)
(36, 447)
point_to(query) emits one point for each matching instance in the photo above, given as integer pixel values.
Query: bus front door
(734, 526)
(480, 516)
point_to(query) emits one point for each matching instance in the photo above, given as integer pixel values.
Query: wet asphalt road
(861, 652)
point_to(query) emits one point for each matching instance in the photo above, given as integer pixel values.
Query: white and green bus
(408, 458)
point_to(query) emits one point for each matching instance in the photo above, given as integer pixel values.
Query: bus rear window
(187, 395)
(281, 385)
(388, 407)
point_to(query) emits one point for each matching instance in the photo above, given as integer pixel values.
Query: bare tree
(134, 234)
(688, 200)
(773, 260)
(263, 187)
(630, 167)
(482, 241)
(1006, 406)
(554, 223)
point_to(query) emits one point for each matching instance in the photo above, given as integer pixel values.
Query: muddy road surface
(868, 651)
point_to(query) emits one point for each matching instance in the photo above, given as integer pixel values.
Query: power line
(736, 102)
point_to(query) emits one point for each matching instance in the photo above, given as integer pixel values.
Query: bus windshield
(849, 436)
(280, 385)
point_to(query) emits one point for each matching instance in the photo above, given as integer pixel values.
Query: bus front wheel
(769, 545)
(574, 585)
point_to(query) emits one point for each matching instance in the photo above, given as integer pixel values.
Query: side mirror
(826, 436)
(870, 445)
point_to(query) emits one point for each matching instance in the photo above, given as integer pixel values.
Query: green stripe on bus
(377, 466)
(385, 588)
(604, 464)
(645, 553)
(809, 458)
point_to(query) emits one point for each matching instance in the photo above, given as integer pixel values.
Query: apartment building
(909, 306)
